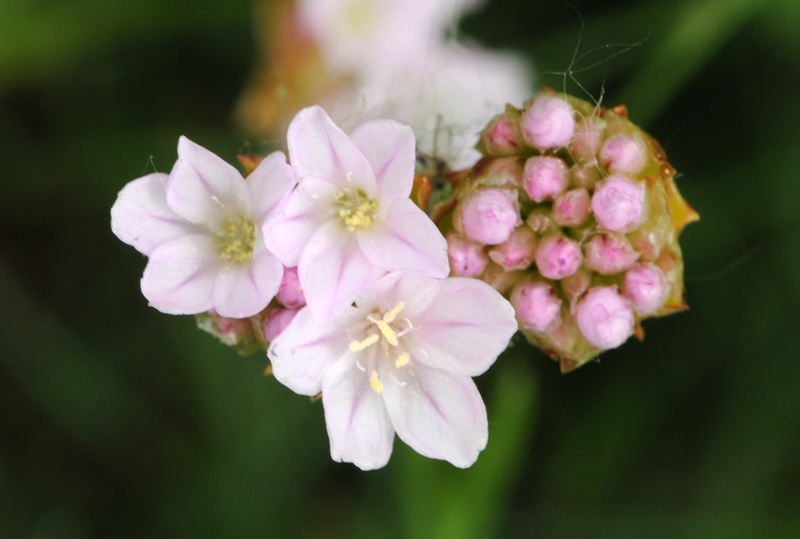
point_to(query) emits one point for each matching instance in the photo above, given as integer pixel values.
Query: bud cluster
(573, 214)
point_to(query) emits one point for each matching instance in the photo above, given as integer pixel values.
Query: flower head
(400, 360)
(201, 229)
(350, 220)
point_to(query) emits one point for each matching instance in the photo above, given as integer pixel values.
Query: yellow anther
(375, 382)
(389, 316)
(357, 346)
(402, 360)
(388, 332)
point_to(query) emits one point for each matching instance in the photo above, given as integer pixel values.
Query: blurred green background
(119, 421)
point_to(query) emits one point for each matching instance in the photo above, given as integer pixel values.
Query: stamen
(391, 315)
(357, 346)
(402, 360)
(388, 332)
(375, 382)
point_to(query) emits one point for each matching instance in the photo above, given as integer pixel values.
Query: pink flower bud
(571, 208)
(276, 321)
(544, 177)
(646, 287)
(573, 286)
(587, 138)
(490, 216)
(624, 153)
(517, 251)
(609, 253)
(617, 203)
(467, 258)
(604, 317)
(503, 136)
(290, 293)
(557, 257)
(548, 123)
(537, 305)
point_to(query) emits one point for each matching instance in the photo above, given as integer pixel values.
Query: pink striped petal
(243, 290)
(269, 185)
(389, 148)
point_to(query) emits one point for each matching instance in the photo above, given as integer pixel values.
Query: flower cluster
(327, 264)
(574, 215)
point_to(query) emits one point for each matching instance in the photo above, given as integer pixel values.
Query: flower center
(236, 240)
(355, 209)
(390, 328)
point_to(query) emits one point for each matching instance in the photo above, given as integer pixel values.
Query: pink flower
(467, 258)
(201, 229)
(537, 305)
(609, 253)
(571, 208)
(558, 257)
(517, 251)
(617, 203)
(490, 216)
(624, 153)
(350, 219)
(276, 320)
(400, 360)
(544, 177)
(549, 122)
(604, 317)
(646, 287)
(290, 293)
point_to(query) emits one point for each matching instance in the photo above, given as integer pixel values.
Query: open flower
(201, 229)
(350, 220)
(401, 360)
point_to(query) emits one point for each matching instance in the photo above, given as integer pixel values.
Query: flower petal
(359, 428)
(332, 271)
(415, 289)
(464, 329)
(140, 217)
(305, 212)
(318, 148)
(389, 148)
(243, 290)
(440, 415)
(180, 276)
(203, 188)
(269, 185)
(407, 239)
(302, 353)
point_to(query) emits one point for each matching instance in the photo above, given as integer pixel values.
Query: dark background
(119, 421)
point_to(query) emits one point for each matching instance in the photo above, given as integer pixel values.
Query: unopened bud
(646, 287)
(558, 257)
(617, 203)
(290, 293)
(549, 122)
(467, 258)
(517, 251)
(609, 253)
(586, 174)
(503, 135)
(571, 208)
(537, 305)
(276, 321)
(544, 177)
(588, 136)
(490, 215)
(624, 153)
(604, 317)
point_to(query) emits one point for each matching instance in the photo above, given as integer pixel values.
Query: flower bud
(586, 174)
(276, 321)
(503, 136)
(588, 136)
(617, 203)
(544, 177)
(467, 258)
(604, 317)
(646, 287)
(548, 122)
(490, 215)
(540, 220)
(537, 305)
(609, 253)
(290, 293)
(624, 153)
(517, 251)
(571, 208)
(557, 257)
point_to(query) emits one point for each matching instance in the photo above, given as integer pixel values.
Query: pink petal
(140, 217)
(305, 212)
(464, 329)
(180, 276)
(302, 353)
(440, 415)
(269, 185)
(389, 148)
(243, 290)
(332, 271)
(359, 428)
(415, 289)
(203, 188)
(318, 148)
(408, 239)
